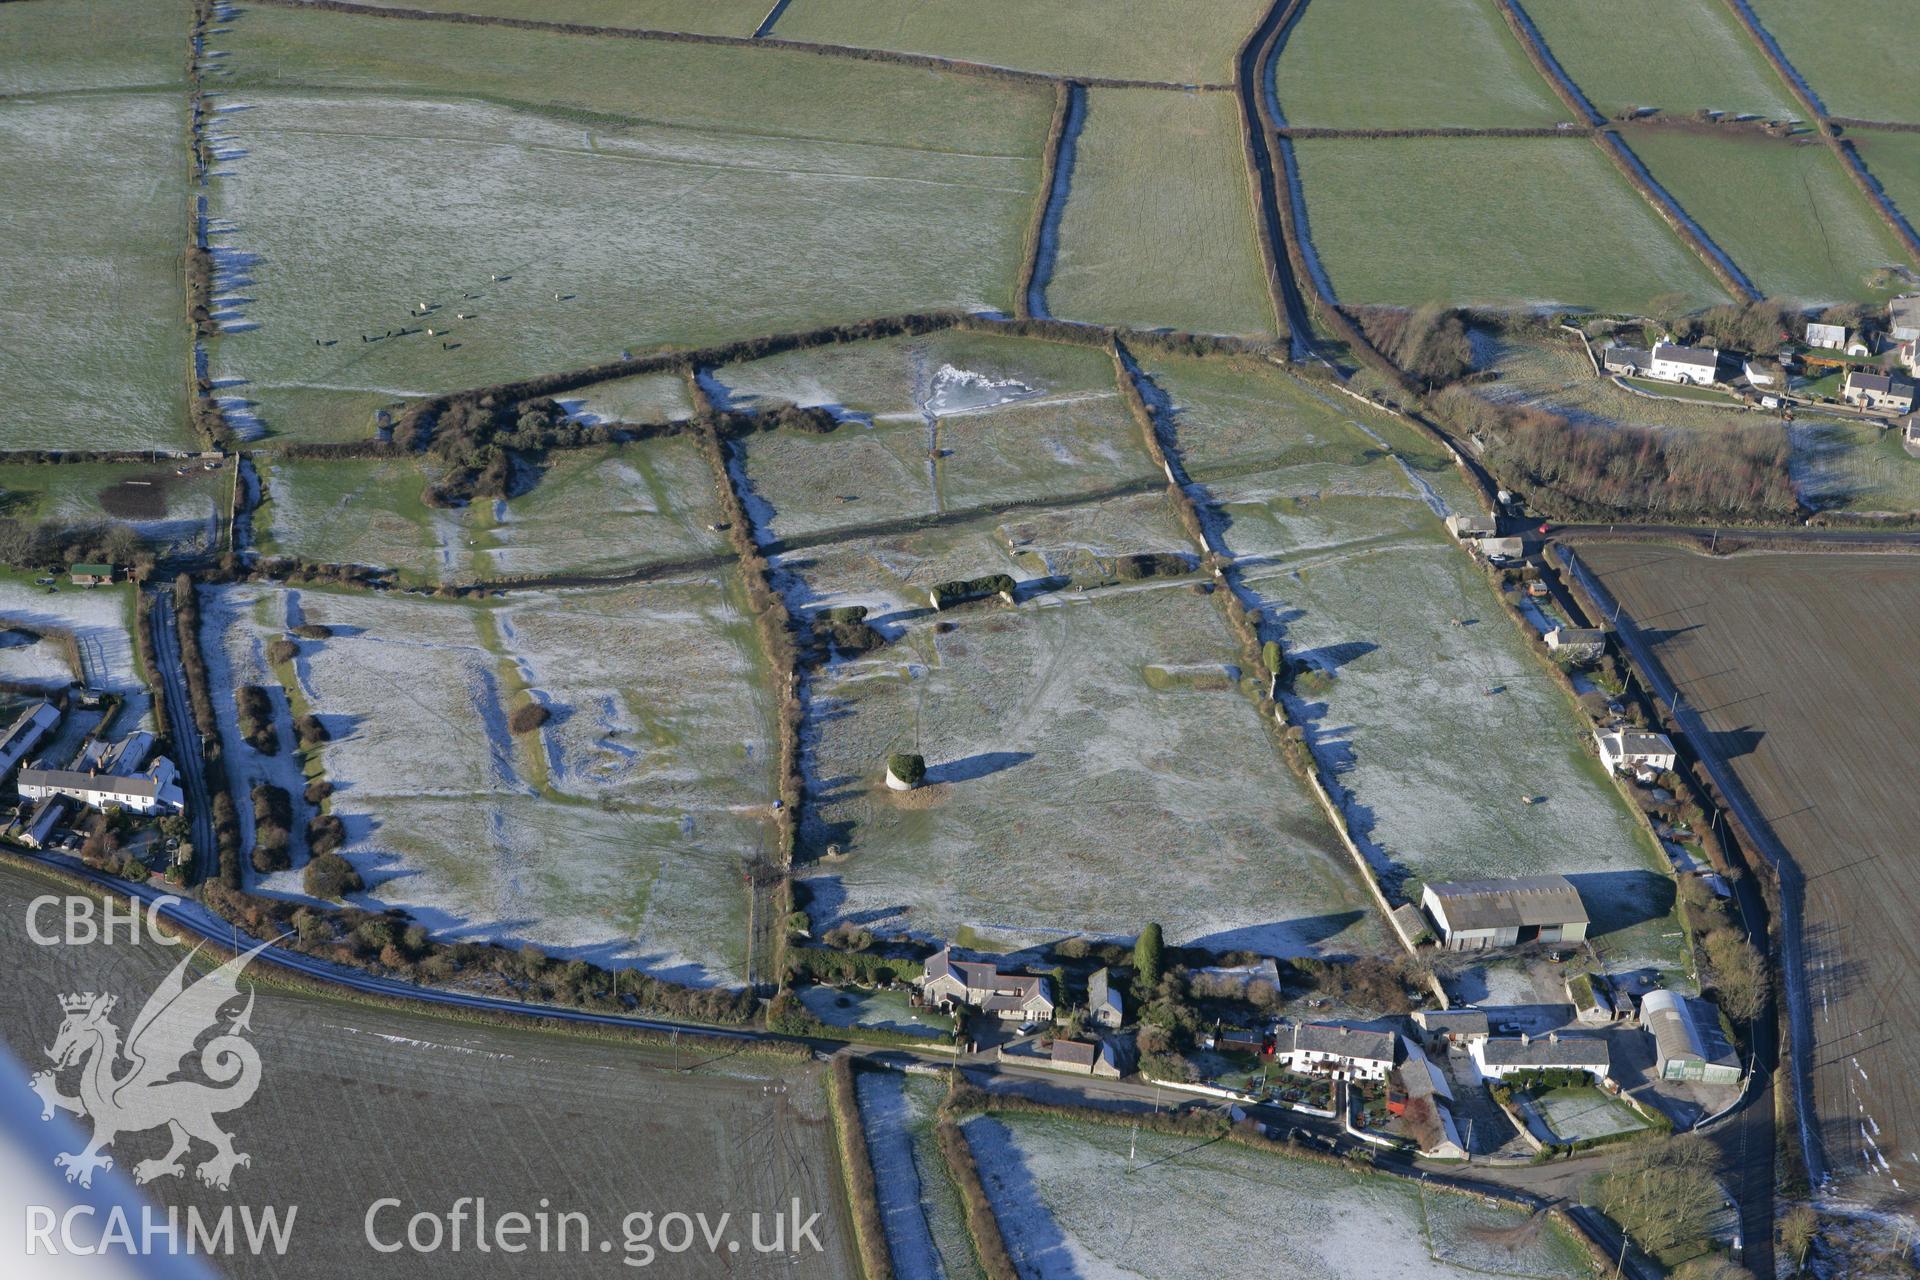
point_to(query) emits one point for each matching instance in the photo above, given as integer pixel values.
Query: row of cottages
(1323, 1048)
(1645, 755)
(949, 984)
(155, 789)
(1474, 915)
(1498, 1057)
(1665, 362)
(1880, 392)
(1687, 1041)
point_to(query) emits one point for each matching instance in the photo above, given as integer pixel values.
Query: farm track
(857, 53)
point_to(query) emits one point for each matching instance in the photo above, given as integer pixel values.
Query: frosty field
(599, 511)
(1041, 548)
(925, 1223)
(1154, 40)
(1228, 417)
(728, 201)
(715, 17)
(1071, 1203)
(616, 832)
(91, 293)
(991, 424)
(101, 620)
(1091, 766)
(1408, 64)
(1504, 222)
(1856, 67)
(1158, 230)
(1423, 704)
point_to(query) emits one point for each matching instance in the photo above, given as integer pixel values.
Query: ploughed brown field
(1799, 667)
(358, 1105)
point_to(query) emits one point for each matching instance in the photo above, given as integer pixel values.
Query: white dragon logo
(147, 1095)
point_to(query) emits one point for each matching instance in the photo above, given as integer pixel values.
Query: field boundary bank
(1758, 834)
(854, 53)
(1273, 165)
(1729, 540)
(1048, 207)
(1803, 93)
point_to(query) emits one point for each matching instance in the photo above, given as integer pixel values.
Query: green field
(1630, 54)
(1859, 59)
(1232, 416)
(1408, 64)
(92, 297)
(1499, 222)
(735, 192)
(1136, 40)
(53, 45)
(1158, 230)
(600, 511)
(708, 17)
(1786, 213)
(1894, 160)
(176, 507)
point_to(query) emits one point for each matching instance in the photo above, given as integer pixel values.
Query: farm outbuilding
(25, 733)
(1501, 1056)
(1464, 527)
(1444, 1027)
(1103, 1002)
(90, 575)
(1474, 915)
(1626, 360)
(1584, 644)
(1903, 317)
(1687, 1041)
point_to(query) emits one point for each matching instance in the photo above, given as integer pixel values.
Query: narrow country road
(186, 738)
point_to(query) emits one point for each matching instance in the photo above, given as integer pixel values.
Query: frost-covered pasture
(1422, 702)
(1041, 548)
(342, 213)
(600, 511)
(1091, 765)
(1072, 1204)
(616, 831)
(100, 620)
(91, 295)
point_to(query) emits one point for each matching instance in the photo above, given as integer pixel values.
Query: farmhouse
(1634, 749)
(1473, 915)
(1880, 391)
(1903, 317)
(1334, 1047)
(1501, 1056)
(1449, 1027)
(157, 790)
(1831, 336)
(24, 734)
(1695, 366)
(1583, 644)
(1103, 1002)
(948, 984)
(1626, 360)
(90, 575)
(1687, 1041)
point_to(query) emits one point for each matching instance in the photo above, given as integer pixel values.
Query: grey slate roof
(73, 780)
(1459, 1022)
(1076, 1053)
(1699, 357)
(1334, 1038)
(1497, 904)
(1546, 1051)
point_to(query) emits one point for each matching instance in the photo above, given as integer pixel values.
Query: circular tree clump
(905, 772)
(526, 719)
